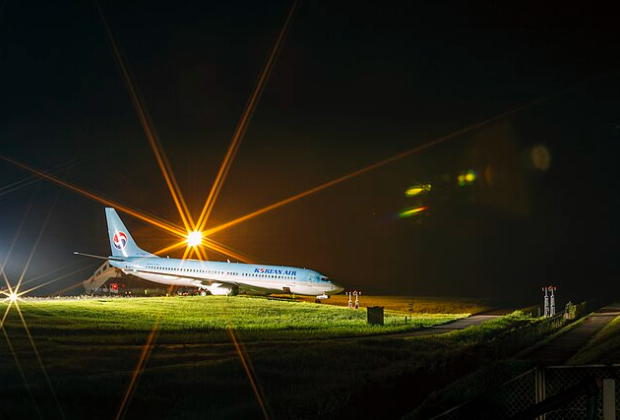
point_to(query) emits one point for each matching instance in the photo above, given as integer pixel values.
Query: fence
(534, 386)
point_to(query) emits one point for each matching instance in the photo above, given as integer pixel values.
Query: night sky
(354, 84)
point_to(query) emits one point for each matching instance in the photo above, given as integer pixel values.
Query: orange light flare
(227, 251)
(149, 129)
(186, 254)
(249, 370)
(194, 238)
(172, 247)
(137, 373)
(245, 120)
(140, 366)
(31, 179)
(199, 249)
(152, 220)
(191, 240)
(376, 165)
(202, 254)
(149, 345)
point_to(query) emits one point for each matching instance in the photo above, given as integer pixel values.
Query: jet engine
(223, 290)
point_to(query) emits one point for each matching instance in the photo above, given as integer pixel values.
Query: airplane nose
(336, 289)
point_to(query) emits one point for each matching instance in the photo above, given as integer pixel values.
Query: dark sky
(354, 84)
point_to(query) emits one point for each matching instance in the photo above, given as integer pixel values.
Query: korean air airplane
(218, 278)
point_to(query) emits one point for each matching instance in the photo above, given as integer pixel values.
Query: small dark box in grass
(375, 315)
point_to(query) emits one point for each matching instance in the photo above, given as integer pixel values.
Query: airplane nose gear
(319, 298)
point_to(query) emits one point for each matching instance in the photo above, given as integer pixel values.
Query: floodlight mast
(357, 300)
(545, 303)
(549, 301)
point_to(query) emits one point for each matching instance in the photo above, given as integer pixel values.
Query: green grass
(421, 305)
(206, 319)
(91, 347)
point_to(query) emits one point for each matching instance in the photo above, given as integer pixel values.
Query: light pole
(350, 303)
(549, 301)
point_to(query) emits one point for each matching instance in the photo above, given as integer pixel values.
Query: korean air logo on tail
(119, 240)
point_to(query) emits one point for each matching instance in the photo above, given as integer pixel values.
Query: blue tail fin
(121, 242)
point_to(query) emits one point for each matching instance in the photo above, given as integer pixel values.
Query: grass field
(89, 349)
(421, 305)
(206, 319)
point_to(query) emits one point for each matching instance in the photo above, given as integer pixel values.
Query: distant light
(466, 178)
(418, 189)
(488, 175)
(541, 158)
(414, 211)
(13, 297)
(194, 238)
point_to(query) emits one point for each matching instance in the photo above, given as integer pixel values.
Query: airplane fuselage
(217, 277)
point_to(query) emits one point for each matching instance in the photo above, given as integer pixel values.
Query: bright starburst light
(194, 238)
(12, 296)
(193, 234)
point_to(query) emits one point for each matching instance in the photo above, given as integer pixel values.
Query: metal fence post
(609, 399)
(539, 379)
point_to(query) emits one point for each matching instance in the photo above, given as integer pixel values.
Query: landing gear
(319, 298)
(203, 293)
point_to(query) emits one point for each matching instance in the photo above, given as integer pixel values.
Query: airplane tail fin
(121, 242)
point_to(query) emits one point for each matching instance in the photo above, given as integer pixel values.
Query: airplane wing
(99, 257)
(200, 281)
(221, 287)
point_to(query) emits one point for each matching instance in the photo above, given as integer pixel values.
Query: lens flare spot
(194, 238)
(413, 211)
(541, 158)
(418, 189)
(466, 178)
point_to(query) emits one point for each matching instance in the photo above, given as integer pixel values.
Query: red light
(115, 286)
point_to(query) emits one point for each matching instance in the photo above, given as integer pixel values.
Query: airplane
(101, 275)
(218, 278)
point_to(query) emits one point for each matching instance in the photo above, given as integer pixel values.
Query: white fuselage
(221, 278)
